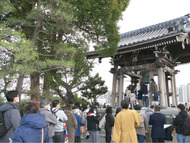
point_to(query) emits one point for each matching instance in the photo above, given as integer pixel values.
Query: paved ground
(102, 140)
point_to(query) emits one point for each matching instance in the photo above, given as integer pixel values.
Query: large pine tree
(58, 31)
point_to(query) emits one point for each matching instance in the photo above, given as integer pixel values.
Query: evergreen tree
(55, 31)
(93, 88)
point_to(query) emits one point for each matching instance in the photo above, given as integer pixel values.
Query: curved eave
(150, 43)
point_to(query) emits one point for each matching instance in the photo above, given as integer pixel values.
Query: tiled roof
(155, 32)
(151, 36)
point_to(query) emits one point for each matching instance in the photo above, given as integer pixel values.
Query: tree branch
(36, 32)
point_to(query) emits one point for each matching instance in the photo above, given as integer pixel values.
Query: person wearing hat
(50, 117)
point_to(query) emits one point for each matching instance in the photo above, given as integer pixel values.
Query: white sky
(142, 13)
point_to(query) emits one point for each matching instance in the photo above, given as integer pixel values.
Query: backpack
(186, 126)
(60, 120)
(3, 129)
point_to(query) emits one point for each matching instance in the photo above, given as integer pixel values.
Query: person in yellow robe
(125, 123)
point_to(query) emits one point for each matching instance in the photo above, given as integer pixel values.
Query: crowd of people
(143, 95)
(135, 126)
(48, 123)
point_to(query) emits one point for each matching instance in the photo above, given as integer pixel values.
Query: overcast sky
(142, 13)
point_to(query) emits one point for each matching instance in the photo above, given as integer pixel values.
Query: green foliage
(18, 54)
(97, 19)
(22, 105)
(53, 37)
(94, 87)
(70, 78)
(44, 24)
(80, 100)
(1, 101)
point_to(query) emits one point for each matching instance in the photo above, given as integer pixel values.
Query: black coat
(157, 120)
(109, 122)
(92, 123)
(178, 121)
(143, 89)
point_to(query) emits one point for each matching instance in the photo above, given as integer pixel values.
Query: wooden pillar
(114, 86)
(151, 76)
(162, 87)
(173, 90)
(174, 96)
(120, 89)
(167, 91)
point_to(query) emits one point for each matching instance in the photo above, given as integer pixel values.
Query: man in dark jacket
(178, 123)
(11, 115)
(144, 93)
(157, 120)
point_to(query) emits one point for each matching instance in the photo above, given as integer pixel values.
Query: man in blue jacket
(11, 114)
(157, 120)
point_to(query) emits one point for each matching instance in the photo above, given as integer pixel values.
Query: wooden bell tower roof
(170, 38)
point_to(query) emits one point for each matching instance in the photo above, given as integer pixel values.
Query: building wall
(188, 92)
(184, 93)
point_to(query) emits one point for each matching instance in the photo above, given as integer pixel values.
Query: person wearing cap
(50, 118)
(125, 123)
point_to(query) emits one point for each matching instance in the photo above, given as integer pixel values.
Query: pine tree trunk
(70, 96)
(19, 85)
(95, 98)
(46, 88)
(61, 96)
(35, 87)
